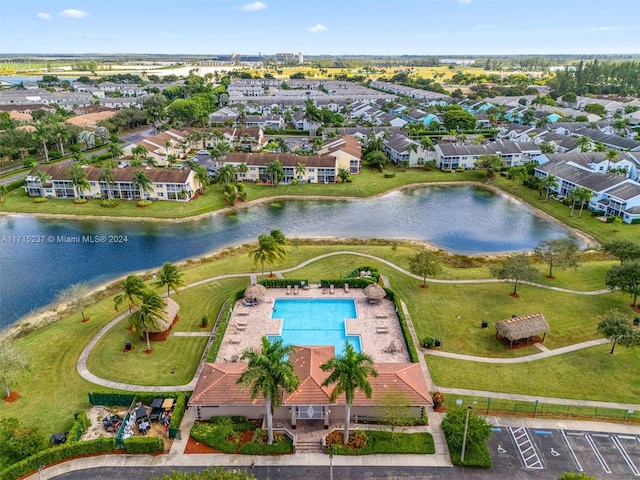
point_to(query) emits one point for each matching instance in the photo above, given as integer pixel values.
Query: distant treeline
(598, 78)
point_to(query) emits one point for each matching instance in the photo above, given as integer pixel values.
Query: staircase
(309, 446)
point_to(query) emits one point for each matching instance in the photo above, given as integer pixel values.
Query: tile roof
(286, 159)
(157, 175)
(561, 166)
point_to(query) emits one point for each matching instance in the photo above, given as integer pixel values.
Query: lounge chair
(332, 289)
(346, 288)
(382, 330)
(234, 340)
(288, 289)
(382, 315)
(296, 290)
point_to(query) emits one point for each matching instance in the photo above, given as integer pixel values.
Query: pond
(464, 220)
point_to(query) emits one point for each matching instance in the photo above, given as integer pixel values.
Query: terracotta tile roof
(346, 143)
(217, 384)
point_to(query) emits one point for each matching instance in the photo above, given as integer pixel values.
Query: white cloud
(603, 29)
(72, 13)
(253, 7)
(464, 2)
(318, 27)
(43, 16)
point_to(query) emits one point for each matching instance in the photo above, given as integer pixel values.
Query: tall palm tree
(43, 135)
(301, 170)
(108, 178)
(3, 191)
(582, 195)
(313, 116)
(170, 276)
(202, 176)
(266, 252)
(140, 151)
(611, 156)
(242, 168)
(349, 371)
(114, 150)
(142, 182)
(226, 175)
(131, 291)
(280, 242)
(275, 172)
(549, 182)
(585, 143)
(150, 310)
(62, 133)
(43, 177)
(78, 177)
(517, 174)
(270, 374)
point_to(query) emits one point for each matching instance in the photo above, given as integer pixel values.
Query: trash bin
(437, 342)
(636, 321)
(127, 346)
(485, 324)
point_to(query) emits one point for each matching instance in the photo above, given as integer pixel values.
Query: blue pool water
(315, 322)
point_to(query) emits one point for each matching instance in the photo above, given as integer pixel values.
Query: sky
(317, 27)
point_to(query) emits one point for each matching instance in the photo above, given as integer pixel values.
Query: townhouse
(451, 156)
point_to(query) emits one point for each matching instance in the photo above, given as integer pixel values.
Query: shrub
(389, 175)
(110, 203)
(143, 445)
(380, 442)
(476, 451)
(428, 342)
(80, 201)
(178, 411)
(79, 428)
(144, 203)
(40, 200)
(258, 445)
(438, 399)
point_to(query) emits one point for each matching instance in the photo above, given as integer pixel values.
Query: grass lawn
(589, 374)
(365, 184)
(384, 442)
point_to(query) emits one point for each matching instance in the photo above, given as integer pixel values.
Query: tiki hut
(162, 327)
(527, 328)
(374, 292)
(255, 291)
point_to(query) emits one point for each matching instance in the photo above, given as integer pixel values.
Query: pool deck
(377, 324)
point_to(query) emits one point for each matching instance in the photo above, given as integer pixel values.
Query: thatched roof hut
(255, 291)
(524, 328)
(171, 310)
(374, 292)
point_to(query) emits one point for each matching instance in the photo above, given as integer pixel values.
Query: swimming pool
(316, 321)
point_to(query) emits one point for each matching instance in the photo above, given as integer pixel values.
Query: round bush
(144, 203)
(41, 200)
(80, 201)
(110, 203)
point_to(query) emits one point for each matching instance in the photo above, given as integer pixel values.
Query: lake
(462, 220)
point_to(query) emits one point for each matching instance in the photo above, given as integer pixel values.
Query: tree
(491, 163)
(88, 138)
(618, 329)
(61, 133)
(269, 373)
(18, 441)
(595, 108)
(348, 372)
(108, 178)
(170, 276)
(275, 172)
(585, 143)
(268, 251)
(453, 425)
(13, 364)
(516, 268)
(376, 159)
(426, 264)
(280, 242)
(150, 310)
(559, 252)
(547, 147)
(3, 191)
(623, 249)
(343, 174)
(131, 289)
(582, 195)
(226, 175)
(517, 173)
(202, 176)
(77, 297)
(43, 135)
(458, 119)
(549, 182)
(626, 278)
(78, 177)
(142, 182)
(300, 170)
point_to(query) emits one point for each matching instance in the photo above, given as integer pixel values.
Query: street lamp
(464, 437)
(331, 466)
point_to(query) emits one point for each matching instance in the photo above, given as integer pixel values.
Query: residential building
(451, 156)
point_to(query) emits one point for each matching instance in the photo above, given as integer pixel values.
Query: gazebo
(255, 291)
(162, 326)
(374, 292)
(528, 328)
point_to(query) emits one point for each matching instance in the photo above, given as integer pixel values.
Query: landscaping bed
(371, 442)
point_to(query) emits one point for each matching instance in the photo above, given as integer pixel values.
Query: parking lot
(600, 454)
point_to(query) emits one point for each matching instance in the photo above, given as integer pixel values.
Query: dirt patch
(193, 446)
(13, 397)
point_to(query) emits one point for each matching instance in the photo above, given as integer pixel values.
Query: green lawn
(589, 374)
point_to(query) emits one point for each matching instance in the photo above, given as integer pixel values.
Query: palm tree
(78, 178)
(226, 175)
(585, 143)
(3, 191)
(202, 176)
(131, 291)
(611, 156)
(582, 195)
(270, 373)
(517, 174)
(376, 159)
(312, 115)
(549, 182)
(275, 172)
(114, 150)
(242, 168)
(142, 182)
(301, 170)
(170, 276)
(43, 177)
(140, 151)
(43, 134)
(266, 252)
(280, 242)
(108, 178)
(61, 132)
(151, 308)
(349, 371)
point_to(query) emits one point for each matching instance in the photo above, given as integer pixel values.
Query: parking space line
(597, 452)
(625, 455)
(525, 445)
(573, 454)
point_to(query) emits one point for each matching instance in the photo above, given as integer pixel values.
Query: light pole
(464, 437)
(331, 466)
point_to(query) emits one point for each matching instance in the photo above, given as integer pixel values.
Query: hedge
(404, 326)
(220, 433)
(178, 411)
(375, 273)
(58, 454)
(353, 282)
(79, 428)
(283, 282)
(15, 185)
(222, 327)
(143, 445)
(111, 399)
(475, 455)
(284, 445)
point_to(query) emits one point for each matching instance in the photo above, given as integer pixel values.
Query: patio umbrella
(255, 291)
(374, 292)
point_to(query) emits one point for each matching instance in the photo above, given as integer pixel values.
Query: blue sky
(336, 27)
